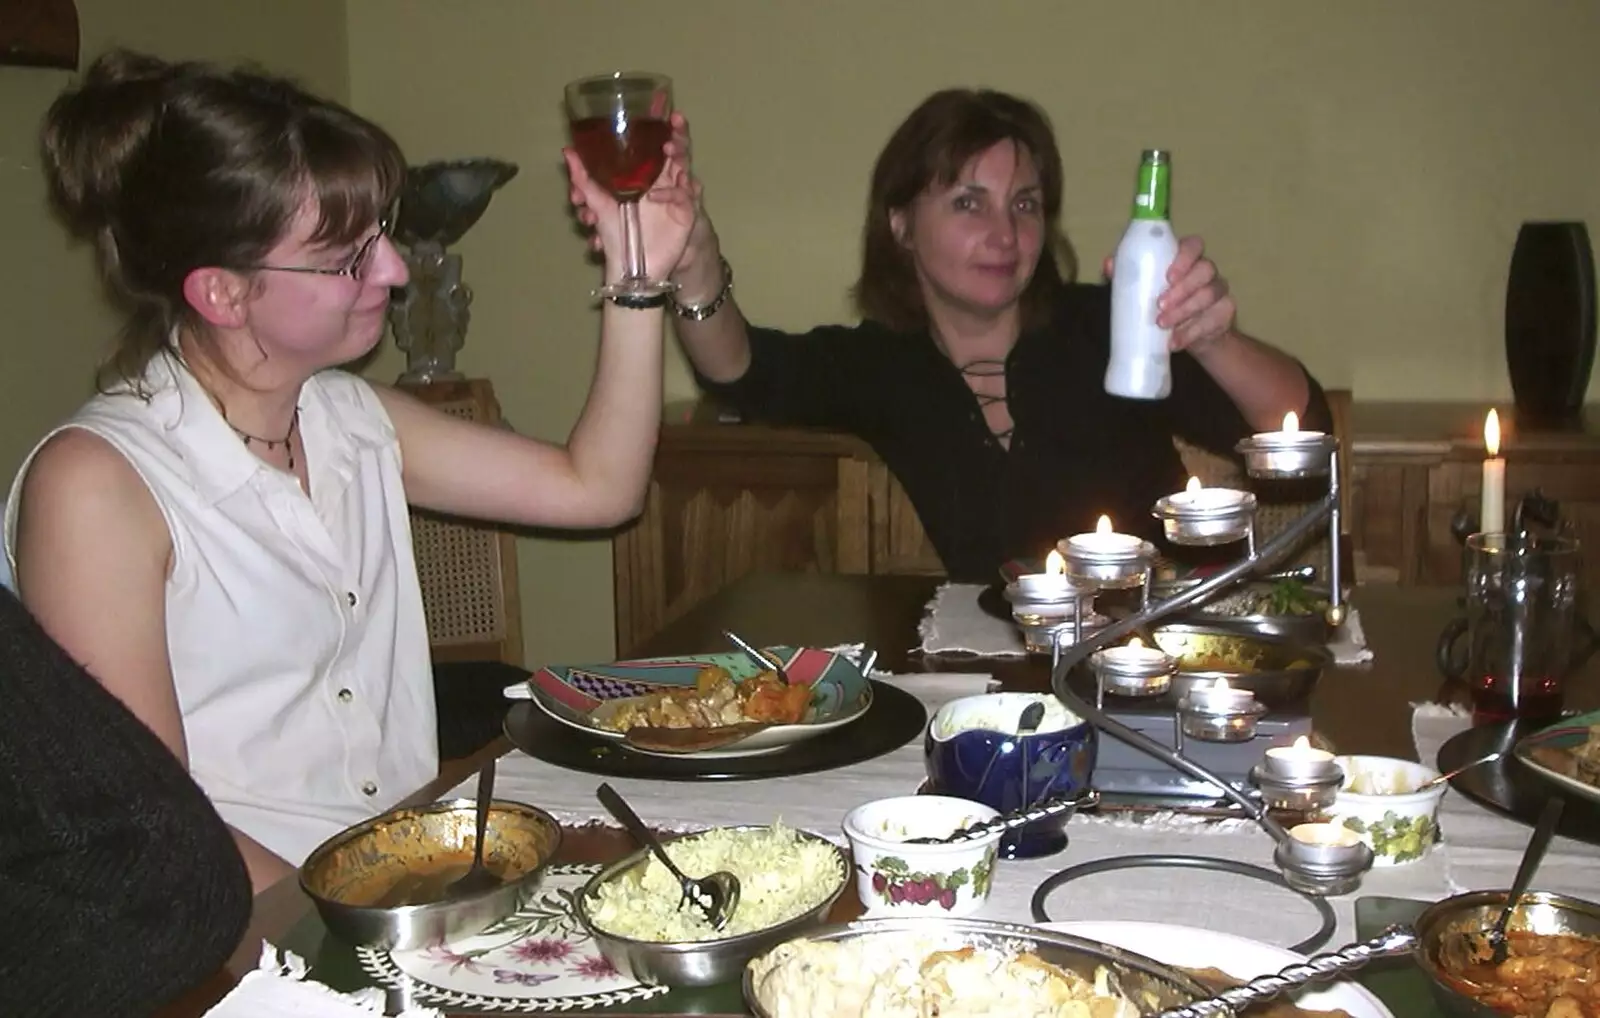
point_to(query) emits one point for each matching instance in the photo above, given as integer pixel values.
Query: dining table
(1366, 708)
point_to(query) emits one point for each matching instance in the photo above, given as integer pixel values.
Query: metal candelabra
(1315, 858)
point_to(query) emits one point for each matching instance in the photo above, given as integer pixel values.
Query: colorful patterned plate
(539, 959)
(1568, 733)
(840, 693)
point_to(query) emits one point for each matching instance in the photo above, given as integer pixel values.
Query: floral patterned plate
(574, 695)
(539, 959)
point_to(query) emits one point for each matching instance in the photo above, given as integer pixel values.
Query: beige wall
(55, 327)
(1358, 168)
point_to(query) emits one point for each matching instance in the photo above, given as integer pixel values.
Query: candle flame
(1291, 421)
(1135, 643)
(1491, 432)
(1103, 526)
(1302, 744)
(1193, 485)
(1055, 563)
(1221, 686)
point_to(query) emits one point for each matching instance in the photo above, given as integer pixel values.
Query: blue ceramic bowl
(972, 751)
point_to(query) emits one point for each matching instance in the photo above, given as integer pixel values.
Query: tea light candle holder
(1220, 713)
(1298, 777)
(1200, 516)
(1288, 452)
(1106, 558)
(1133, 670)
(1299, 762)
(1322, 859)
(1051, 585)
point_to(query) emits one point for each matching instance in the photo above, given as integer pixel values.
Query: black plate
(894, 719)
(1507, 786)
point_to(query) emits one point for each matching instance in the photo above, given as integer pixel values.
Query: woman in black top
(120, 887)
(977, 370)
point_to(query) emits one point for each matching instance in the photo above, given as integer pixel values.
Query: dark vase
(1550, 324)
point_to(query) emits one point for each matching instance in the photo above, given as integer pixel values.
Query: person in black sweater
(977, 371)
(120, 886)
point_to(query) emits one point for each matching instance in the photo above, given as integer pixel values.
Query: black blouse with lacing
(1075, 451)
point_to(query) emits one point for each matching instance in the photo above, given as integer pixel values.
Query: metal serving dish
(1135, 973)
(696, 962)
(1227, 609)
(381, 882)
(1276, 669)
(1538, 912)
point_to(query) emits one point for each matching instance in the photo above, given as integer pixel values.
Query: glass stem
(632, 244)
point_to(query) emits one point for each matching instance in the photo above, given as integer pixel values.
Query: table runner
(1481, 849)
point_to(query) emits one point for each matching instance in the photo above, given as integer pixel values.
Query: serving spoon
(1086, 798)
(716, 895)
(1532, 856)
(1447, 775)
(479, 878)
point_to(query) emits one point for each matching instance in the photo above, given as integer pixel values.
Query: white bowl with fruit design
(895, 877)
(1380, 802)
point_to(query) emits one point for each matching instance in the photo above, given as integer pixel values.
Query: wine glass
(620, 126)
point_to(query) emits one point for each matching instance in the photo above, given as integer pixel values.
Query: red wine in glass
(620, 126)
(1534, 699)
(625, 158)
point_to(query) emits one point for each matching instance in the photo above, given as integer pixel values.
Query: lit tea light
(1325, 835)
(1104, 542)
(1221, 698)
(1135, 654)
(1290, 433)
(1198, 497)
(1299, 762)
(1051, 584)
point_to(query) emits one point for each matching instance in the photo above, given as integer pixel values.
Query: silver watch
(700, 312)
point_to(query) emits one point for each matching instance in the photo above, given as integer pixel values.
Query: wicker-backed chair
(1281, 503)
(468, 574)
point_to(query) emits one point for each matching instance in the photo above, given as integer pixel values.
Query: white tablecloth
(1481, 850)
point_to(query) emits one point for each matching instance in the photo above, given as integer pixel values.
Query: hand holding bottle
(1196, 304)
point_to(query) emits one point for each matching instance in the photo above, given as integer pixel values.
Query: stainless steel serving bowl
(1230, 608)
(696, 962)
(1134, 973)
(382, 882)
(1276, 669)
(1538, 912)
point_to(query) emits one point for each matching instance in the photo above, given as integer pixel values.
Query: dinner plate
(1508, 785)
(1195, 948)
(1567, 733)
(575, 694)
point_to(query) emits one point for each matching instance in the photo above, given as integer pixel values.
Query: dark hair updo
(171, 167)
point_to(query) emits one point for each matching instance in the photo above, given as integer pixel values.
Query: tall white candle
(1492, 507)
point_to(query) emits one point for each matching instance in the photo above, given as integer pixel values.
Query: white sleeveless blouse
(295, 626)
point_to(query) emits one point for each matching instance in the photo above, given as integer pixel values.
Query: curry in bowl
(409, 857)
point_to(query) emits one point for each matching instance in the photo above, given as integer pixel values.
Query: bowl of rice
(789, 880)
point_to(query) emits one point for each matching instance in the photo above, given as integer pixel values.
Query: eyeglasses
(355, 268)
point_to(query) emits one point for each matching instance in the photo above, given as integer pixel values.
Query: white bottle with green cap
(1140, 366)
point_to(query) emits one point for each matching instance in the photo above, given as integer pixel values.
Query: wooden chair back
(468, 570)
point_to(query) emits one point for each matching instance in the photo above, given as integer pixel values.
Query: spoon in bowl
(1549, 817)
(479, 878)
(1447, 775)
(716, 896)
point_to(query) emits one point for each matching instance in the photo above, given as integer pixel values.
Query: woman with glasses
(221, 536)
